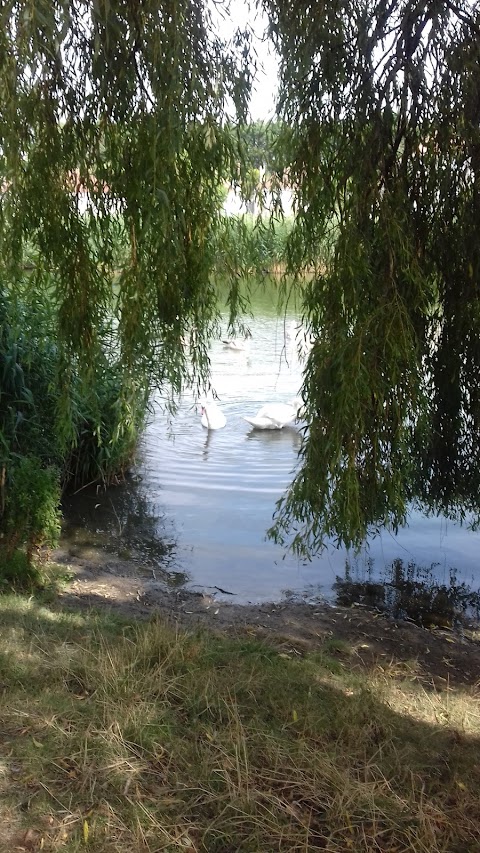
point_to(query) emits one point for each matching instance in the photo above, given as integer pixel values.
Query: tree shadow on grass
(223, 741)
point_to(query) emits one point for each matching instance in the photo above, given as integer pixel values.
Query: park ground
(181, 723)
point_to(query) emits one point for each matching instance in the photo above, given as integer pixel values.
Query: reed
(57, 430)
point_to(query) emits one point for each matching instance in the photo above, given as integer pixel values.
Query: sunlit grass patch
(456, 708)
(120, 737)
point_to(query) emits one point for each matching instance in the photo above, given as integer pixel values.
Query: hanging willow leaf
(382, 105)
(117, 107)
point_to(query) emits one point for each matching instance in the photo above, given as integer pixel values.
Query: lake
(200, 502)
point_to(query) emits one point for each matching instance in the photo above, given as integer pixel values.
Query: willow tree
(381, 99)
(121, 105)
(113, 149)
(113, 146)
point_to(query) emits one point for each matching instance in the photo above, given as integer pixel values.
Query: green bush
(18, 572)
(107, 428)
(50, 440)
(32, 508)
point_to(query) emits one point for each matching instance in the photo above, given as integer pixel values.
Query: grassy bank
(136, 737)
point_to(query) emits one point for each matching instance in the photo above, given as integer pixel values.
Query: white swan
(275, 415)
(212, 415)
(237, 344)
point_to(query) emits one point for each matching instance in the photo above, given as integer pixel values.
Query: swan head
(206, 405)
(202, 408)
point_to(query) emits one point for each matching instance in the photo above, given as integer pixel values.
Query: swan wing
(220, 420)
(262, 423)
(280, 413)
(216, 418)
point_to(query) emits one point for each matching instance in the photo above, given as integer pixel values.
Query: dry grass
(119, 737)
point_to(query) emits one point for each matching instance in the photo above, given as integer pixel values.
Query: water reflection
(208, 440)
(407, 590)
(287, 435)
(121, 521)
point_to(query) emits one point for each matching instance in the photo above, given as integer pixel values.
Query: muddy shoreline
(103, 581)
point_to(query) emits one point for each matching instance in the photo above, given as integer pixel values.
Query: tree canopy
(123, 105)
(381, 101)
(259, 139)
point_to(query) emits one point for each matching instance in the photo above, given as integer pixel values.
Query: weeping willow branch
(113, 147)
(383, 110)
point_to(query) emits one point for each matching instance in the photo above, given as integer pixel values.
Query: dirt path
(365, 636)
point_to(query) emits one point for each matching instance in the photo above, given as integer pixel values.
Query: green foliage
(29, 448)
(382, 134)
(32, 508)
(107, 426)
(38, 576)
(16, 570)
(28, 370)
(249, 245)
(259, 138)
(113, 152)
(40, 451)
(121, 107)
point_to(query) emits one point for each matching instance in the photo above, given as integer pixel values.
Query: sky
(262, 104)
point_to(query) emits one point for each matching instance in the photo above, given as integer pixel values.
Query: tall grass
(121, 737)
(61, 440)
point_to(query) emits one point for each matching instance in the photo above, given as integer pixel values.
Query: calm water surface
(209, 496)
